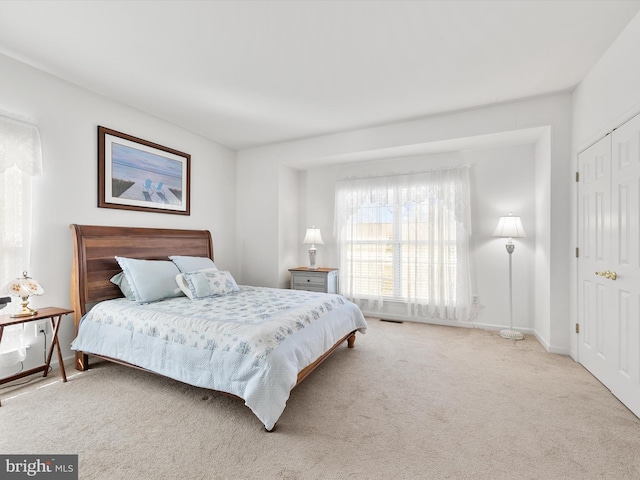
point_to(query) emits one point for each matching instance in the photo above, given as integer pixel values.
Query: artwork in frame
(134, 174)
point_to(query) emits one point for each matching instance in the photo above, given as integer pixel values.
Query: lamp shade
(313, 237)
(510, 226)
(24, 287)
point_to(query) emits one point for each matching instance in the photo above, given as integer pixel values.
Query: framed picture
(134, 174)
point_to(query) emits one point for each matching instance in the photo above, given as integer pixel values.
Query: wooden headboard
(95, 248)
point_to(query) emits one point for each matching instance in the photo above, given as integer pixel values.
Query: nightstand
(54, 314)
(316, 280)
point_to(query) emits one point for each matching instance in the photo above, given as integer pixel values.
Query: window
(404, 239)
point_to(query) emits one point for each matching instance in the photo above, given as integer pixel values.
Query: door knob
(608, 274)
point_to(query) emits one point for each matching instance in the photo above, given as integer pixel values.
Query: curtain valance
(20, 145)
(450, 186)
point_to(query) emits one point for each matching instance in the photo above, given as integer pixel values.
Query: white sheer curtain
(20, 159)
(404, 238)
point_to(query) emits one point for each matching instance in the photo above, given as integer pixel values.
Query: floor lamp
(510, 227)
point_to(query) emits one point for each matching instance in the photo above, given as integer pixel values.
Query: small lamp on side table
(24, 287)
(312, 238)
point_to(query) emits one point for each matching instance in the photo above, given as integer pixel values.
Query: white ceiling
(250, 73)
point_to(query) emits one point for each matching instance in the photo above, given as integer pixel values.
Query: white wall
(258, 223)
(68, 117)
(607, 97)
(552, 112)
(288, 220)
(543, 254)
(610, 93)
(502, 180)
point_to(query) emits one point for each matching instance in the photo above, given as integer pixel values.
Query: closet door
(625, 219)
(609, 262)
(595, 347)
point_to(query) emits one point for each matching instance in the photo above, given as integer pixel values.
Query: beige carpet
(411, 401)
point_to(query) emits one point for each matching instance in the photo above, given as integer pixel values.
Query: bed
(254, 343)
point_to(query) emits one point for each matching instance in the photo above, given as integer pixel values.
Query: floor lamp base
(512, 334)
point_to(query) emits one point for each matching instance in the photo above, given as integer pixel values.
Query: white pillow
(150, 280)
(192, 264)
(206, 283)
(121, 281)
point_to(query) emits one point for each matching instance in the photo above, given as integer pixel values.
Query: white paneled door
(594, 223)
(609, 262)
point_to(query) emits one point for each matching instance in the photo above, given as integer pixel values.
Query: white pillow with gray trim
(150, 280)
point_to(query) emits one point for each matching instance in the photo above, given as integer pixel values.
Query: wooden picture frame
(134, 174)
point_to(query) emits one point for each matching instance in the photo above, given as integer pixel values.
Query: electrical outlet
(475, 299)
(41, 328)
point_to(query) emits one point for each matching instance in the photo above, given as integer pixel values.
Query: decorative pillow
(183, 285)
(206, 283)
(121, 281)
(192, 264)
(150, 280)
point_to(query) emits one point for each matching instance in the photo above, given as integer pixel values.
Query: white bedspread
(251, 343)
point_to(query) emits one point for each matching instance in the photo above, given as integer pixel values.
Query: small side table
(54, 314)
(314, 280)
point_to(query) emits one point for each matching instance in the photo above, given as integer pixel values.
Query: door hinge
(577, 252)
(577, 328)
(577, 177)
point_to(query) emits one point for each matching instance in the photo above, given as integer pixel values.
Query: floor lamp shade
(510, 227)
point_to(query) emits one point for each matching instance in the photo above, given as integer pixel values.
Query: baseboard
(467, 324)
(438, 321)
(543, 342)
(559, 350)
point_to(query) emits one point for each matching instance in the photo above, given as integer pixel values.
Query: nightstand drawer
(310, 280)
(311, 288)
(318, 280)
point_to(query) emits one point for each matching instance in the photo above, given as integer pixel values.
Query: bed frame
(94, 263)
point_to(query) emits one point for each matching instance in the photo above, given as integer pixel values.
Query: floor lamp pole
(511, 333)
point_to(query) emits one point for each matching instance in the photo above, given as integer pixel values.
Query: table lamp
(312, 237)
(24, 287)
